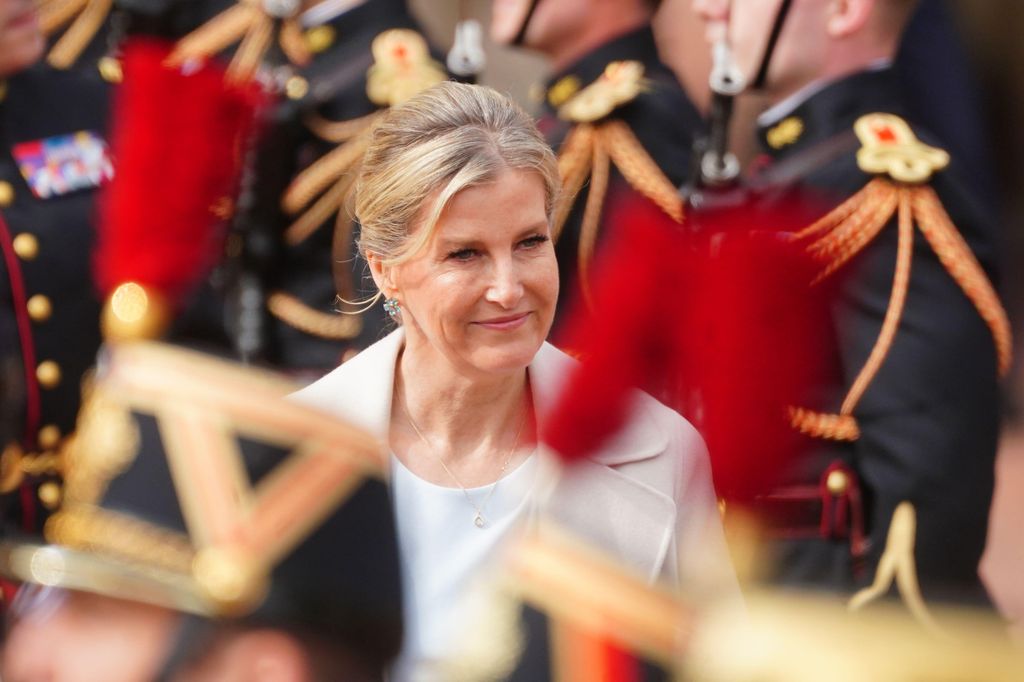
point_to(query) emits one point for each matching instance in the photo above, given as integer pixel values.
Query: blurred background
(966, 59)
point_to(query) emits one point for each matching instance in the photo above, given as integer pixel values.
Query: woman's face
(481, 294)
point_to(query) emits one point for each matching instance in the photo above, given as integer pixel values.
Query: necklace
(479, 520)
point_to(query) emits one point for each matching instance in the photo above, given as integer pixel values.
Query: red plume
(721, 324)
(178, 138)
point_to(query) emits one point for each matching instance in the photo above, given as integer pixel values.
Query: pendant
(478, 521)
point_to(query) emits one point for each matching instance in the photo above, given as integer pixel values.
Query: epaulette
(402, 68)
(902, 167)
(598, 140)
(250, 23)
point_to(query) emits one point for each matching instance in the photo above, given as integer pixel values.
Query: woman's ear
(383, 275)
(846, 17)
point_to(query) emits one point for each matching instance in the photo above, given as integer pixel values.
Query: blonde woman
(455, 198)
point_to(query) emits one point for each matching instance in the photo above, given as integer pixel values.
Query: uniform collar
(361, 391)
(824, 110)
(637, 45)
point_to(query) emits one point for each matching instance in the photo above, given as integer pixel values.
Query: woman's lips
(505, 323)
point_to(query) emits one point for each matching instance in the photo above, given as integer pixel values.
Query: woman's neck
(458, 413)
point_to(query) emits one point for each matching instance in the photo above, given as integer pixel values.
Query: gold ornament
(620, 83)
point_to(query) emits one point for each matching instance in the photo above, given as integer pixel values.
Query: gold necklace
(479, 520)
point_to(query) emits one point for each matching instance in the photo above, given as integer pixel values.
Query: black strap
(802, 163)
(521, 36)
(769, 49)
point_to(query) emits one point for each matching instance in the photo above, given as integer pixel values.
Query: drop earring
(393, 309)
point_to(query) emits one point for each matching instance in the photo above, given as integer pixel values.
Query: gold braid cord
(249, 24)
(589, 151)
(897, 563)
(88, 16)
(843, 233)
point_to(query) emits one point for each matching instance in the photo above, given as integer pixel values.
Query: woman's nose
(506, 285)
(711, 10)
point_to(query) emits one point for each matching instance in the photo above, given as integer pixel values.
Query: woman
(455, 198)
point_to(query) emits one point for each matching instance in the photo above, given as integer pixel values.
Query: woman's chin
(504, 359)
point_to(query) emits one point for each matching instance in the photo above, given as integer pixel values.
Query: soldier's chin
(507, 17)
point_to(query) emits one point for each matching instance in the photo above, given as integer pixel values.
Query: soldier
(211, 530)
(610, 103)
(336, 66)
(912, 412)
(53, 125)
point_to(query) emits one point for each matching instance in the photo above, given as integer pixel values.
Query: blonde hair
(447, 138)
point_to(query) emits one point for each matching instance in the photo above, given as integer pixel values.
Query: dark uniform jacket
(929, 420)
(661, 116)
(49, 309)
(333, 88)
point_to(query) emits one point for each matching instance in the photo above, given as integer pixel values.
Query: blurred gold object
(6, 193)
(232, 581)
(39, 308)
(890, 147)
(134, 312)
(48, 374)
(837, 482)
(296, 87)
(110, 70)
(26, 246)
(785, 133)
(402, 67)
(319, 38)
(620, 83)
(50, 494)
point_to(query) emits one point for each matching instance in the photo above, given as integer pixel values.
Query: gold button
(50, 494)
(110, 70)
(319, 38)
(6, 193)
(48, 374)
(26, 246)
(837, 482)
(39, 308)
(296, 87)
(48, 437)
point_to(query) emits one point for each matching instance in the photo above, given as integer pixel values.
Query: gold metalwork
(837, 482)
(105, 444)
(296, 87)
(39, 308)
(88, 16)
(561, 91)
(110, 70)
(889, 147)
(48, 374)
(319, 38)
(136, 312)
(897, 563)
(785, 133)
(292, 311)
(620, 83)
(402, 67)
(50, 494)
(26, 246)
(48, 437)
(6, 194)
(236, 583)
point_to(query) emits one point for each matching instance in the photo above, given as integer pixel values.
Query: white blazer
(645, 497)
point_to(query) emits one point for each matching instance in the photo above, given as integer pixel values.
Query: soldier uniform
(909, 417)
(361, 61)
(53, 125)
(619, 102)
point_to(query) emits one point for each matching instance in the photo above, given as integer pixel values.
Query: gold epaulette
(251, 24)
(594, 143)
(402, 68)
(901, 166)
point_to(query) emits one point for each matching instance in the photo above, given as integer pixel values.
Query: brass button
(48, 374)
(26, 246)
(48, 437)
(837, 482)
(6, 194)
(39, 308)
(50, 494)
(319, 38)
(296, 87)
(110, 70)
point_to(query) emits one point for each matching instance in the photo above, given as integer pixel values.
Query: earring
(392, 308)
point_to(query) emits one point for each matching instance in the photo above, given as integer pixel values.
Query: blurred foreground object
(195, 487)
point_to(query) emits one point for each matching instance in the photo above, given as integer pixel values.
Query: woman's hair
(427, 150)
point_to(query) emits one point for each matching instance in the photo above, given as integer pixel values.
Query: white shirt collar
(788, 105)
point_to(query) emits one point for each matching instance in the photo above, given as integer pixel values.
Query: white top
(443, 553)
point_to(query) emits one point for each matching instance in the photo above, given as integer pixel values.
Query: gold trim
(293, 312)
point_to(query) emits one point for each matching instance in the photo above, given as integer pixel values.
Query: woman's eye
(533, 241)
(462, 254)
